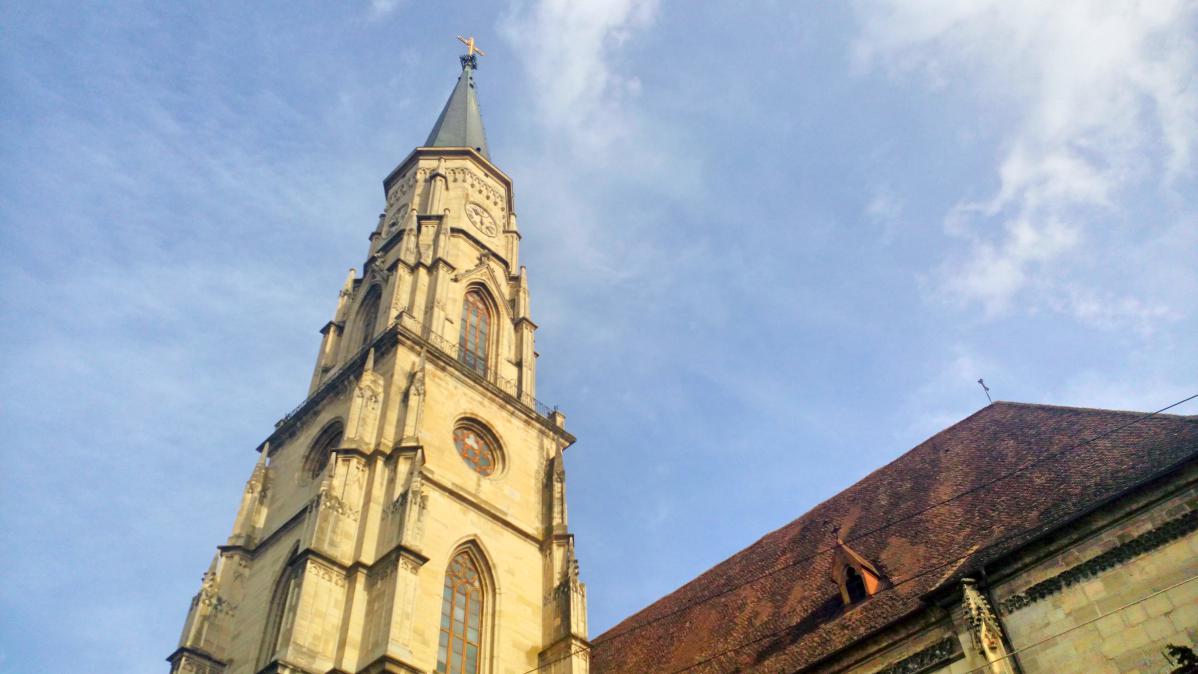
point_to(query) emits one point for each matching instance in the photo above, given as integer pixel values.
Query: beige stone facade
(339, 553)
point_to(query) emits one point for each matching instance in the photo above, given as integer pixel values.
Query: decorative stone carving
(984, 627)
(402, 187)
(393, 224)
(209, 596)
(479, 186)
(326, 573)
(366, 404)
(409, 565)
(330, 502)
(1144, 543)
(929, 659)
(414, 403)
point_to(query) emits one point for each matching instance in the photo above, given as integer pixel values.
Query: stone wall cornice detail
(1146, 542)
(939, 654)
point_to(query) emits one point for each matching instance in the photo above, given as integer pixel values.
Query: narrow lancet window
(476, 332)
(368, 316)
(318, 456)
(282, 606)
(461, 618)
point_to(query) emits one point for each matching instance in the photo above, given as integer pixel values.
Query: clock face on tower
(481, 219)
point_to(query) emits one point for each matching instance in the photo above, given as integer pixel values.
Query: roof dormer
(857, 578)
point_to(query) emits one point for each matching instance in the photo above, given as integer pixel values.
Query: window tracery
(322, 448)
(459, 647)
(475, 336)
(477, 448)
(282, 605)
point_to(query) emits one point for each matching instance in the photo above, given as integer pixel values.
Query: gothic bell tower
(410, 514)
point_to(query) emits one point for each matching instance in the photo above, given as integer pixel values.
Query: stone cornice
(277, 667)
(1140, 545)
(491, 249)
(350, 368)
(572, 639)
(454, 152)
(387, 664)
(187, 651)
(932, 658)
(398, 549)
(480, 506)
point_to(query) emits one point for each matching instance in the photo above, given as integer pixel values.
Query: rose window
(476, 450)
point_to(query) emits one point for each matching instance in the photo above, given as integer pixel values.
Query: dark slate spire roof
(461, 122)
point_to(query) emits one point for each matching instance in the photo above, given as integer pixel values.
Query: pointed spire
(559, 464)
(461, 122)
(342, 311)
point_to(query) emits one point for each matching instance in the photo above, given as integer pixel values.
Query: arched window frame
(281, 611)
(487, 611)
(489, 436)
(367, 319)
(477, 338)
(855, 576)
(317, 459)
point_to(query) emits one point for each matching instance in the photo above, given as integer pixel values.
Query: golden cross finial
(471, 50)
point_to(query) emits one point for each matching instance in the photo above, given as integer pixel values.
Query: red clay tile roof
(793, 617)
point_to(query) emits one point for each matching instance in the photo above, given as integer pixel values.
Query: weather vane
(987, 390)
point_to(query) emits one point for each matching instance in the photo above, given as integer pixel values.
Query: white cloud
(884, 209)
(1100, 101)
(570, 51)
(382, 8)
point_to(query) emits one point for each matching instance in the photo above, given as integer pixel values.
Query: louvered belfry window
(476, 332)
(461, 618)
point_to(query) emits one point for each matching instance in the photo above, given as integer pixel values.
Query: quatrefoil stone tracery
(475, 450)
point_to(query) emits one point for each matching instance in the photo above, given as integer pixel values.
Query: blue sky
(771, 247)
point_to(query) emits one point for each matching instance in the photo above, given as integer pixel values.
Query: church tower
(410, 514)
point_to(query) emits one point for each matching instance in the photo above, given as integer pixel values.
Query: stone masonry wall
(1091, 594)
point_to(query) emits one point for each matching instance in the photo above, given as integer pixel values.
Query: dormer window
(856, 577)
(854, 585)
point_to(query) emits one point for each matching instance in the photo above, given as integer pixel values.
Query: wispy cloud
(382, 8)
(884, 209)
(571, 51)
(1097, 98)
(585, 109)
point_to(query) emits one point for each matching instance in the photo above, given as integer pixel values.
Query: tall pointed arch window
(318, 456)
(281, 610)
(476, 331)
(368, 315)
(459, 650)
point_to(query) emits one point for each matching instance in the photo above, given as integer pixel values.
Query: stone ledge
(939, 654)
(1124, 552)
